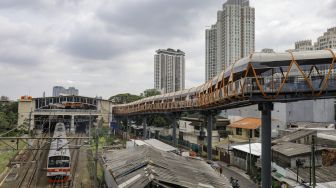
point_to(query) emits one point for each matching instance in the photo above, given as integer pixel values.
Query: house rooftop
(146, 166)
(312, 125)
(247, 123)
(295, 135)
(291, 149)
(255, 148)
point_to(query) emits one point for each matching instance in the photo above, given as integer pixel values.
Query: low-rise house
(285, 154)
(193, 132)
(241, 155)
(301, 136)
(245, 129)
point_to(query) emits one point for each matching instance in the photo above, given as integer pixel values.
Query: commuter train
(59, 159)
(265, 76)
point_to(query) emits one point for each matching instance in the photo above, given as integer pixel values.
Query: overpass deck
(261, 77)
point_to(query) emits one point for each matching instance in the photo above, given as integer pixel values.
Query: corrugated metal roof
(291, 149)
(293, 136)
(247, 123)
(255, 148)
(160, 145)
(142, 165)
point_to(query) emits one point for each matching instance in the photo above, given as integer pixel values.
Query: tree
(124, 98)
(150, 92)
(8, 114)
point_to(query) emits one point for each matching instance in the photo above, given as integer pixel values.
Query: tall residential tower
(211, 52)
(235, 35)
(169, 70)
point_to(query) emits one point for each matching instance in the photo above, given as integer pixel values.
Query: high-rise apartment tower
(169, 70)
(235, 30)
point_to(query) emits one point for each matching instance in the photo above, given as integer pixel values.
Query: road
(243, 182)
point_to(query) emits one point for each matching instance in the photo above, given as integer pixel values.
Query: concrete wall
(105, 108)
(313, 111)
(240, 163)
(318, 160)
(185, 126)
(25, 106)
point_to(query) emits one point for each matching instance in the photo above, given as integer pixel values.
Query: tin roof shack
(244, 129)
(241, 154)
(146, 166)
(301, 136)
(285, 154)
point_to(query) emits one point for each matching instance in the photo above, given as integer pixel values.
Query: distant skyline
(106, 47)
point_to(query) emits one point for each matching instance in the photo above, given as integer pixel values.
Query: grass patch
(7, 154)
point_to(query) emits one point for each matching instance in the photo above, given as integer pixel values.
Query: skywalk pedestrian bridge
(261, 78)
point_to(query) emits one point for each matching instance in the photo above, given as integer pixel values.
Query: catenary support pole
(210, 122)
(266, 130)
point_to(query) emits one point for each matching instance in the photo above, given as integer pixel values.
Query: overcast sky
(105, 47)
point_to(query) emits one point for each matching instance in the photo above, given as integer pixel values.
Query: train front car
(59, 159)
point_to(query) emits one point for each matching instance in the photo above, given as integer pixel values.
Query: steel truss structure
(261, 77)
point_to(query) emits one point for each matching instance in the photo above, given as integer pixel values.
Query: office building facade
(169, 70)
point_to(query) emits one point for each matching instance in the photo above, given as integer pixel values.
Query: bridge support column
(174, 118)
(210, 124)
(266, 150)
(128, 127)
(72, 124)
(144, 128)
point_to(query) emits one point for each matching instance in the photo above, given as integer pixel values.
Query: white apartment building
(235, 29)
(304, 45)
(169, 70)
(327, 40)
(210, 52)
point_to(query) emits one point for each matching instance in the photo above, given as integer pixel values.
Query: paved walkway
(243, 179)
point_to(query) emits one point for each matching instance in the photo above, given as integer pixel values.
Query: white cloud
(107, 47)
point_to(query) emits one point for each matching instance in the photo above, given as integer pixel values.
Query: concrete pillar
(128, 128)
(210, 117)
(72, 124)
(174, 131)
(144, 128)
(266, 152)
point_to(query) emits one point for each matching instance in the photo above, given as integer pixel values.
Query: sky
(107, 47)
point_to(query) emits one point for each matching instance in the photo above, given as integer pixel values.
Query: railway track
(29, 174)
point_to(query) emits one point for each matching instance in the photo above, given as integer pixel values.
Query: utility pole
(250, 157)
(49, 123)
(29, 128)
(96, 160)
(313, 161)
(90, 128)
